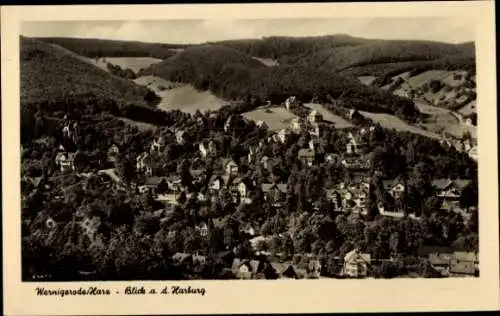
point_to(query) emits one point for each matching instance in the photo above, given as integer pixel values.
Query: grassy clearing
(426, 77)
(276, 118)
(392, 122)
(442, 120)
(187, 99)
(134, 63)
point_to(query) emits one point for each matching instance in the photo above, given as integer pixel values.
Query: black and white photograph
(269, 150)
(242, 149)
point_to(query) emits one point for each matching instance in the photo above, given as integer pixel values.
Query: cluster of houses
(352, 197)
(65, 159)
(256, 268)
(468, 146)
(445, 261)
(451, 263)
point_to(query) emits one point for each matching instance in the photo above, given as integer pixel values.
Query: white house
(264, 161)
(158, 144)
(295, 125)
(314, 117)
(290, 102)
(282, 136)
(230, 167)
(356, 264)
(203, 150)
(179, 135)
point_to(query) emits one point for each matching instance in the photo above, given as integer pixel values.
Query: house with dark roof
(448, 189)
(284, 270)
(218, 182)
(396, 188)
(245, 268)
(113, 153)
(307, 156)
(183, 259)
(463, 264)
(274, 192)
(66, 161)
(144, 164)
(151, 183)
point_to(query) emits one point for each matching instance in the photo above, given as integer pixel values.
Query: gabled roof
(439, 258)
(464, 256)
(462, 267)
(266, 187)
(354, 255)
(306, 152)
(389, 184)
(154, 180)
(462, 183)
(142, 156)
(196, 172)
(181, 257)
(255, 265)
(441, 184)
(224, 178)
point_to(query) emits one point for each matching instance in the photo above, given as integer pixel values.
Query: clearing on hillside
(187, 99)
(367, 80)
(179, 96)
(392, 122)
(156, 84)
(134, 63)
(276, 117)
(338, 121)
(426, 77)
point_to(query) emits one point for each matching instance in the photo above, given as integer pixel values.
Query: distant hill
(289, 50)
(383, 52)
(234, 75)
(112, 48)
(356, 57)
(54, 76)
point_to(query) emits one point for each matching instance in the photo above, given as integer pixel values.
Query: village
(231, 178)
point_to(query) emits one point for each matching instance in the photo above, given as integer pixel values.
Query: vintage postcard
(204, 159)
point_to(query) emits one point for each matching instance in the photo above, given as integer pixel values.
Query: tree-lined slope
(233, 75)
(52, 76)
(112, 48)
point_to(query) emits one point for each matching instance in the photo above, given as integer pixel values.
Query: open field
(443, 120)
(277, 118)
(177, 96)
(367, 80)
(426, 77)
(188, 99)
(134, 63)
(338, 121)
(392, 122)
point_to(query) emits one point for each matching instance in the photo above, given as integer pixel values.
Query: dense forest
(96, 48)
(233, 75)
